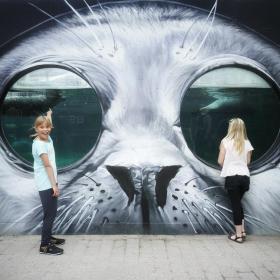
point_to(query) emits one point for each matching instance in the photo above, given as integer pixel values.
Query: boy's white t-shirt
(235, 163)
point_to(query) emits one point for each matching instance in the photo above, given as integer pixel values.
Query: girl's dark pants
(49, 203)
(236, 186)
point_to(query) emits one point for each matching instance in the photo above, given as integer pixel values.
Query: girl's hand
(55, 191)
(49, 113)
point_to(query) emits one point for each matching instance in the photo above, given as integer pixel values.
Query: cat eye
(224, 93)
(77, 113)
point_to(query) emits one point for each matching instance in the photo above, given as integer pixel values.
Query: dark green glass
(205, 112)
(77, 117)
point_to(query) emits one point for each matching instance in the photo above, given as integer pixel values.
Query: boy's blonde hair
(39, 121)
(237, 133)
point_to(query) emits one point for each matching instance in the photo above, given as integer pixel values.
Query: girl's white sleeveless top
(235, 163)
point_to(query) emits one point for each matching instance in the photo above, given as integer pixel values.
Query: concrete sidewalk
(120, 257)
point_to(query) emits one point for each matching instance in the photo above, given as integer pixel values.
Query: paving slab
(142, 257)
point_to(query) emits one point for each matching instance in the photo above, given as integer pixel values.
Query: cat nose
(137, 180)
(146, 189)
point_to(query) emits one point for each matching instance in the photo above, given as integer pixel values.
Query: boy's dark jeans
(49, 203)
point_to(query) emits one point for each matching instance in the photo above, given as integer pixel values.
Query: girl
(234, 157)
(45, 174)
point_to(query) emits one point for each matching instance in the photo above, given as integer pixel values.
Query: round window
(77, 114)
(224, 93)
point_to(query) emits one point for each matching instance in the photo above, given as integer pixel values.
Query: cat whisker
(208, 31)
(79, 226)
(21, 218)
(108, 22)
(65, 26)
(84, 22)
(92, 13)
(228, 220)
(186, 34)
(191, 223)
(91, 220)
(61, 217)
(96, 183)
(190, 49)
(215, 219)
(84, 211)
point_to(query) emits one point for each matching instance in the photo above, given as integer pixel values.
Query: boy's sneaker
(50, 250)
(57, 241)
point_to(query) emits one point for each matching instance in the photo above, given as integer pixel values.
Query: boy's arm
(50, 173)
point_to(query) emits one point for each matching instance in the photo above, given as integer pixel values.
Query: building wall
(141, 93)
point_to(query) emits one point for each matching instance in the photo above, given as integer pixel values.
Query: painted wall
(141, 93)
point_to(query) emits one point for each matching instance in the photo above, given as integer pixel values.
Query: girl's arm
(249, 155)
(50, 173)
(49, 115)
(222, 154)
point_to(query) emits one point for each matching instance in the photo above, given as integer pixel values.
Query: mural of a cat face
(141, 176)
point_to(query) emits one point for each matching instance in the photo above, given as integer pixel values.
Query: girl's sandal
(244, 235)
(235, 238)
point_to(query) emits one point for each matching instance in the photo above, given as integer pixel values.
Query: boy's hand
(55, 191)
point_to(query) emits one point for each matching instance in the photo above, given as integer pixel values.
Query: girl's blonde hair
(39, 121)
(237, 133)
